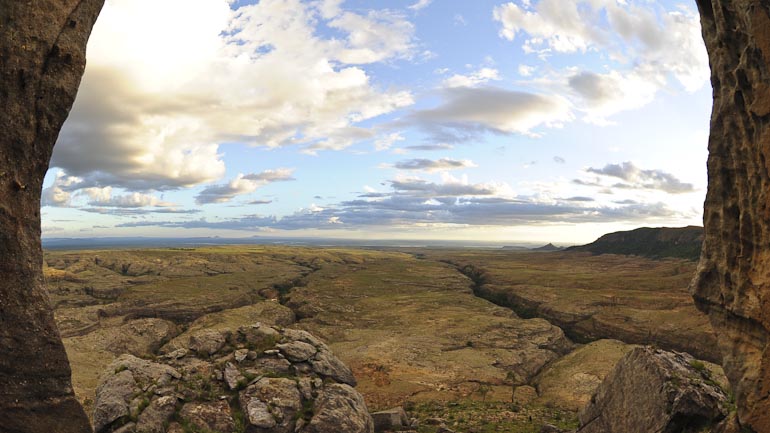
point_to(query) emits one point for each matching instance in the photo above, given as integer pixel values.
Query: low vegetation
(413, 324)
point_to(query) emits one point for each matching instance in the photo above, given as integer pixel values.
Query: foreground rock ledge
(257, 379)
(733, 280)
(42, 57)
(652, 390)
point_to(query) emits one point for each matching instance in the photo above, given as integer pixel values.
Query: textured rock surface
(651, 390)
(42, 58)
(733, 284)
(192, 388)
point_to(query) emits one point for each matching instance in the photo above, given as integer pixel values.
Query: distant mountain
(548, 247)
(658, 242)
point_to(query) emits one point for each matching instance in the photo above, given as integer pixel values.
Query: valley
(478, 340)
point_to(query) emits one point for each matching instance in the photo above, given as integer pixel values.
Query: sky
(529, 121)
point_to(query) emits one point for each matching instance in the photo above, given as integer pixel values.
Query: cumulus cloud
(468, 112)
(646, 44)
(103, 197)
(473, 79)
(634, 177)
(429, 165)
(59, 194)
(154, 105)
(242, 184)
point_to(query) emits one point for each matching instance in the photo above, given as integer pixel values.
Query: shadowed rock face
(652, 390)
(42, 57)
(733, 280)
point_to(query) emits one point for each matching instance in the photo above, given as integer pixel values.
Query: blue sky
(531, 121)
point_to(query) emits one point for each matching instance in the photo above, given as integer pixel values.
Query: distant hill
(548, 247)
(658, 242)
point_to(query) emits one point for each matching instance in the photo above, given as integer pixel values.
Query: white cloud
(420, 4)
(467, 112)
(473, 79)
(633, 177)
(154, 104)
(242, 184)
(526, 70)
(646, 45)
(374, 37)
(103, 197)
(430, 165)
(387, 141)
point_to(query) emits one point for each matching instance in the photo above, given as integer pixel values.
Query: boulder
(326, 364)
(157, 415)
(394, 419)
(652, 390)
(339, 408)
(112, 397)
(278, 397)
(297, 351)
(232, 376)
(207, 341)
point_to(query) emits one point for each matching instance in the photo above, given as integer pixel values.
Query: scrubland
(483, 340)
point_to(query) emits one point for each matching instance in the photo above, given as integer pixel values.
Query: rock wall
(42, 57)
(732, 284)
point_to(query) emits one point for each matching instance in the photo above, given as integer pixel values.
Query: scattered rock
(258, 414)
(281, 398)
(240, 355)
(297, 351)
(207, 341)
(394, 419)
(155, 418)
(326, 364)
(339, 408)
(232, 375)
(112, 397)
(652, 390)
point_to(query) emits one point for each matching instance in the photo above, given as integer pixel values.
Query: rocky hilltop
(656, 243)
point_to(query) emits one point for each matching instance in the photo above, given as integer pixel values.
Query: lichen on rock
(260, 378)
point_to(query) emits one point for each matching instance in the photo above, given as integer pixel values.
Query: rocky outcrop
(258, 378)
(652, 242)
(651, 390)
(732, 283)
(42, 47)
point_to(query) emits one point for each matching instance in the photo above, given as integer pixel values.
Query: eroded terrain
(412, 324)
